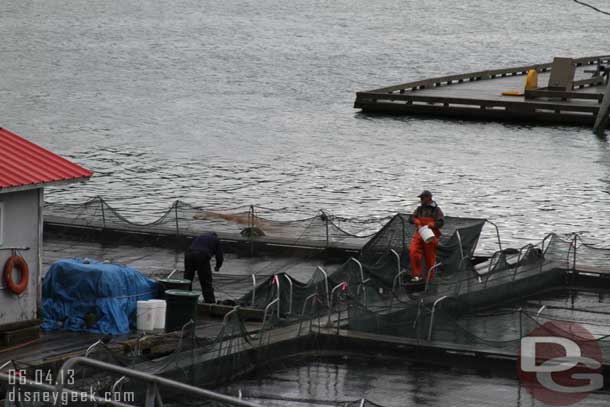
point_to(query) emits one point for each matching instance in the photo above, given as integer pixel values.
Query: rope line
(582, 3)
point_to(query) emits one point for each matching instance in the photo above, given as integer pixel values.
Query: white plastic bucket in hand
(145, 316)
(426, 233)
(160, 309)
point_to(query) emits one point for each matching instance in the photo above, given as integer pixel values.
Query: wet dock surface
(160, 262)
(318, 381)
(233, 281)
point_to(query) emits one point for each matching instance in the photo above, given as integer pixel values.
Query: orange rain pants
(418, 247)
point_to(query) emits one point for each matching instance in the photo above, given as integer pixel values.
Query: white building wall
(21, 213)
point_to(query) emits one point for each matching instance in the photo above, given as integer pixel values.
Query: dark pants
(201, 262)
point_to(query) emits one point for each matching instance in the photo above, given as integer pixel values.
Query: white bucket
(160, 309)
(146, 316)
(426, 233)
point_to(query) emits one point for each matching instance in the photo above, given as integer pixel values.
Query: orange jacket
(430, 215)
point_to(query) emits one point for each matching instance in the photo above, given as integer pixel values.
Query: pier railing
(153, 384)
(410, 98)
(491, 74)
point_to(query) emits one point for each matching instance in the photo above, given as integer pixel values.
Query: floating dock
(343, 310)
(218, 350)
(568, 91)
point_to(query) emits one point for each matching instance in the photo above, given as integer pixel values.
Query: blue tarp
(102, 295)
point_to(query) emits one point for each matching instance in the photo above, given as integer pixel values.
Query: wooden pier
(562, 96)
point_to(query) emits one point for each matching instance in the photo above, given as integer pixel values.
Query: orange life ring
(19, 263)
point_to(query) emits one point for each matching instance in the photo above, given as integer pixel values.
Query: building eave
(29, 187)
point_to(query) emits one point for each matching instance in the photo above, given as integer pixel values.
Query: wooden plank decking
(478, 95)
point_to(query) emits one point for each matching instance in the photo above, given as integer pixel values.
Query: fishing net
(458, 240)
(468, 305)
(184, 219)
(352, 279)
(449, 309)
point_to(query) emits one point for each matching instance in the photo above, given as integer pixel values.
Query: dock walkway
(478, 95)
(288, 339)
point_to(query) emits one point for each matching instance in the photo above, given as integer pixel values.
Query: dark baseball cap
(424, 193)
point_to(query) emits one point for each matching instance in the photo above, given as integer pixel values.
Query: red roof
(23, 164)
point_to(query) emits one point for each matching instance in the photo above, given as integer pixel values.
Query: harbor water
(386, 383)
(238, 102)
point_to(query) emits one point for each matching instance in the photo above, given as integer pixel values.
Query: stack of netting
(376, 276)
(183, 219)
(458, 240)
(508, 275)
(289, 293)
(352, 279)
(448, 308)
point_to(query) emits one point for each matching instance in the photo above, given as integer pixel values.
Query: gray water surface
(250, 102)
(389, 383)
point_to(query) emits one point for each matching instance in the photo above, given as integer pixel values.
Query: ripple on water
(225, 104)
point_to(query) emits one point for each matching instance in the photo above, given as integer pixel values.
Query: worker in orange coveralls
(427, 213)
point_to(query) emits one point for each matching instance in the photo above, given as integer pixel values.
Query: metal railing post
(330, 309)
(397, 262)
(518, 261)
(364, 295)
(90, 348)
(310, 297)
(225, 321)
(540, 310)
(550, 235)
(115, 387)
(361, 270)
(176, 214)
(432, 316)
(276, 301)
(289, 294)
(151, 395)
(326, 285)
(253, 289)
(277, 282)
(430, 270)
(190, 322)
(459, 237)
(397, 277)
(497, 233)
(394, 283)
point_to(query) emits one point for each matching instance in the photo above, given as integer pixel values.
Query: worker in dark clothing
(427, 214)
(198, 257)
